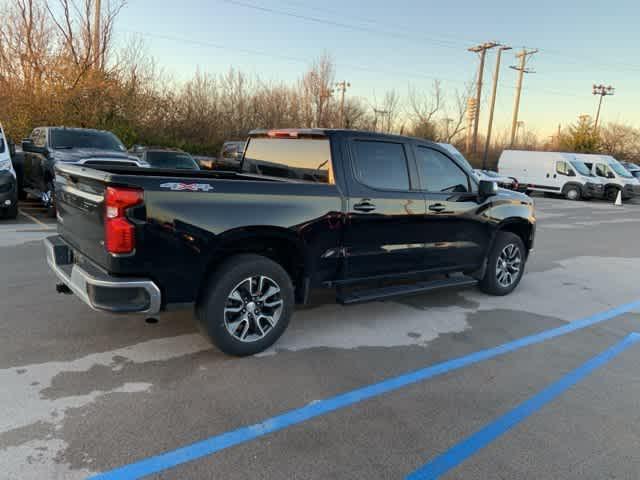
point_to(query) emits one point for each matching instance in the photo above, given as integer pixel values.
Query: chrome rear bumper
(97, 289)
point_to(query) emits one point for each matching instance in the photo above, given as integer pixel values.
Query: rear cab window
(306, 159)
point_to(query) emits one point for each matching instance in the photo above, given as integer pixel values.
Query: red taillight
(286, 133)
(119, 233)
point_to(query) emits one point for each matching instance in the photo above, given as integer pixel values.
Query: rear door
(456, 234)
(384, 233)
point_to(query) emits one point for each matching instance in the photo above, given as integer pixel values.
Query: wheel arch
(518, 226)
(278, 244)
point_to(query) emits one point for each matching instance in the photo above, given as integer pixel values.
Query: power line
(305, 60)
(442, 41)
(348, 26)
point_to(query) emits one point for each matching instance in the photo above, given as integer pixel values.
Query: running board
(361, 296)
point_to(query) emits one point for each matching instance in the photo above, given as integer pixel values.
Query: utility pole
(379, 112)
(97, 35)
(482, 51)
(447, 122)
(342, 87)
(494, 92)
(471, 115)
(521, 68)
(602, 91)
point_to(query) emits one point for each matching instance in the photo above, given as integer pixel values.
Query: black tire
(210, 309)
(12, 212)
(490, 283)
(611, 194)
(572, 193)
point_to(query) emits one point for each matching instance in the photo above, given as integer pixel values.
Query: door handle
(364, 206)
(437, 207)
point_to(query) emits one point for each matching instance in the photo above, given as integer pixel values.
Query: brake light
(119, 233)
(283, 133)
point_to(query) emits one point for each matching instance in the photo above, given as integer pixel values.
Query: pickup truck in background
(47, 146)
(371, 215)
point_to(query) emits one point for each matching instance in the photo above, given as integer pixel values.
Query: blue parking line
(226, 440)
(468, 447)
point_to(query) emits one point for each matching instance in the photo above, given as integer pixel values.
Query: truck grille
(107, 163)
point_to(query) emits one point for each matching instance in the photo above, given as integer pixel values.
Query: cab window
(381, 165)
(439, 173)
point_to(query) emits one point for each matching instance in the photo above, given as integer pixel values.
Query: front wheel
(612, 194)
(246, 305)
(505, 265)
(50, 199)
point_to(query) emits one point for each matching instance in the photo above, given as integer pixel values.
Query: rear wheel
(572, 193)
(505, 265)
(246, 305)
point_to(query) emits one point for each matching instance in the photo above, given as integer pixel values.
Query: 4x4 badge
(191, 187)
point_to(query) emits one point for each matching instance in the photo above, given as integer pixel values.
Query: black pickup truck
(47, 146)
(371, 215)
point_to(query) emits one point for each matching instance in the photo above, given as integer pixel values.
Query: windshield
(71, 139)
(581, 168)
(177, 160)
(619, 169)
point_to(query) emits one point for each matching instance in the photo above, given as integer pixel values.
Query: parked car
(8, 180)
(614, 176)
(501, 180)
(48, 146)
(632, 168)
(551, 173)
(504, 182)
(309, 208)
(166, 158)
(231, 155)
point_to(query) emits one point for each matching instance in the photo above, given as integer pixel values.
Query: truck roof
(323, 132)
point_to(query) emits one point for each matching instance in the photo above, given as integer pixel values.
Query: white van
(8, 181)
(551, 172)
(615, 177)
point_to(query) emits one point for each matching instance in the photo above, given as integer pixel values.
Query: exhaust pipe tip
(62, 288)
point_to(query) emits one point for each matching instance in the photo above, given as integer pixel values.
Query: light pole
(602, 91)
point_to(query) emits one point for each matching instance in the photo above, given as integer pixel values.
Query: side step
(361, 296)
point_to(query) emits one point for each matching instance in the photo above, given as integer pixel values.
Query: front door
(384, 233)
(456, 234)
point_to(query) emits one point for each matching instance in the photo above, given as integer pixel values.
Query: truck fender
(280, 244)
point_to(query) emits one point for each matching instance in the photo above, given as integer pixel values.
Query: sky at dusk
(381, 45)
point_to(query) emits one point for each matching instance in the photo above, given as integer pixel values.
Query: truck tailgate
(80, 211)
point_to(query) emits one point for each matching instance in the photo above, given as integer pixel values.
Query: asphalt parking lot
(84, 393)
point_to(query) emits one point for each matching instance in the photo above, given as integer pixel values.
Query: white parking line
(33, 219)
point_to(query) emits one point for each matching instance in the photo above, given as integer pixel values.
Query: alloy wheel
(508, 265)
(253, 308)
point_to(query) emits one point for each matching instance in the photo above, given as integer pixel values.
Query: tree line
(52, 72)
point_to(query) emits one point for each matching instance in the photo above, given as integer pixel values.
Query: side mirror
(27, 145)
(487, 188)
(571, 173)
(610, 175)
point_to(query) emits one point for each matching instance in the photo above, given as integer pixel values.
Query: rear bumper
(98, 289)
